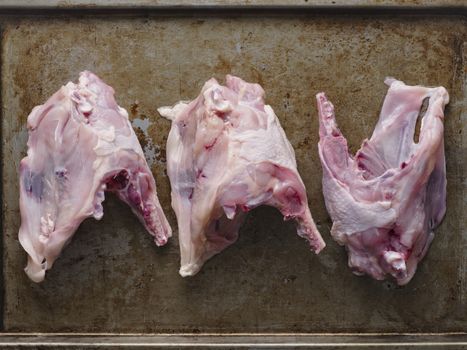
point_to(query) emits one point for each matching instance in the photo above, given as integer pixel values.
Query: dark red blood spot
(220, 114)
(403, 165)
(335, 133)
(86, 114)
(245, 208)
(211, 145)
(191, 194)
(118, 182)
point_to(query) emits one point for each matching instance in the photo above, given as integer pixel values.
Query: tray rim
(177, 4)
(354, 340)
(237, 340)
(334, 5)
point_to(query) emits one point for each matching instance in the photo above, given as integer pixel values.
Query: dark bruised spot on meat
(133, 195)
(146, 212)
(200, 174)
(33, 183)
(61, 173)
(118, 181)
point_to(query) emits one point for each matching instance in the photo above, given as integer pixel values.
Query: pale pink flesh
(81, 144)
(386, 201)
(227, 154)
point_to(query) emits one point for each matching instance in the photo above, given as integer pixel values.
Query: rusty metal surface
(112, 278)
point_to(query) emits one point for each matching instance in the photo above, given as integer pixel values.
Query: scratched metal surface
(112, 278)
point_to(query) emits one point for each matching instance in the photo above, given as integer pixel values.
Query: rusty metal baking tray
(112, 287)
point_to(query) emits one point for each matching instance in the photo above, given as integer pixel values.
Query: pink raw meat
(227, 154)
(81, 144)
(386, 201)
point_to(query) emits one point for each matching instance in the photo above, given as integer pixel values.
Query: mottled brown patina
(112, 278)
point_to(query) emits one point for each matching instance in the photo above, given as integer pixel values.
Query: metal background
(113, 279)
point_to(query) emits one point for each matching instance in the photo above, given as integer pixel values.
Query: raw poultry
(386, 201)
(227, 154)
(80, 145)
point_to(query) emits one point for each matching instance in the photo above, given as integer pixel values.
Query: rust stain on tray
(112, 278)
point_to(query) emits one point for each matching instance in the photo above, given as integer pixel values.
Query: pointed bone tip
(312, 235)
(444, 93)
(188, 270)
(166, 112)
(405, 279)
(446, 98)
(162, 240)
(321, 97)
(397, 267)
(35, 272)
(390, 81)
(173, 112)
(319, 247)
(316, 243)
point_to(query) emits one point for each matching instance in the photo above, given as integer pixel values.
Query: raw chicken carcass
(226, 154)
(81, 144)
(386, 201)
